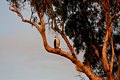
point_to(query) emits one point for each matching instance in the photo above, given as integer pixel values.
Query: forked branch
(60, 52)
(51, 12)
(112, 56)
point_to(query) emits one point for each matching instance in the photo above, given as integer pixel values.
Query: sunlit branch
(56, 28)
(65, 54)
(107, 67)
(112, 56)
(96, 51)
(104, 56)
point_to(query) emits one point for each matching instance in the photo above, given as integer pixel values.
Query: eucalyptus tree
(92, 25)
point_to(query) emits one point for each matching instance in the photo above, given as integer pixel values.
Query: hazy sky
(22, 55)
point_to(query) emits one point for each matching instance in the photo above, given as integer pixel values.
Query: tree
(92, 25)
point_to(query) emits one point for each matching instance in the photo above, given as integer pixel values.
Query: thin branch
(116, 17)
(112, 56)
(104, 56)
(115, 8)
(106, 8)
(81, 78)
(31, 14)
(96, 51)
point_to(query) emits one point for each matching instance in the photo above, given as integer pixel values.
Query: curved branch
(104, 56)
(61, 32)
(78, 63)
(41, 29)
(96, 51)
(112, 56)
(60, 52)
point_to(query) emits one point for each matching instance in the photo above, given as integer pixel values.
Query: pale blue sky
(22, 55)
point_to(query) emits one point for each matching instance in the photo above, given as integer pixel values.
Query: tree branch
(14, 9)
(104, 56)
(112, 56)
(78, 63)
(96, 51)
(115, 8)
(41, 29)
(51, 12)
(108, 35)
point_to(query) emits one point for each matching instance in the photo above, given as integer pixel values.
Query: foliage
(85, 25)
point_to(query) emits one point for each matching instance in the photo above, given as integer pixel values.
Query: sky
(22, 55)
